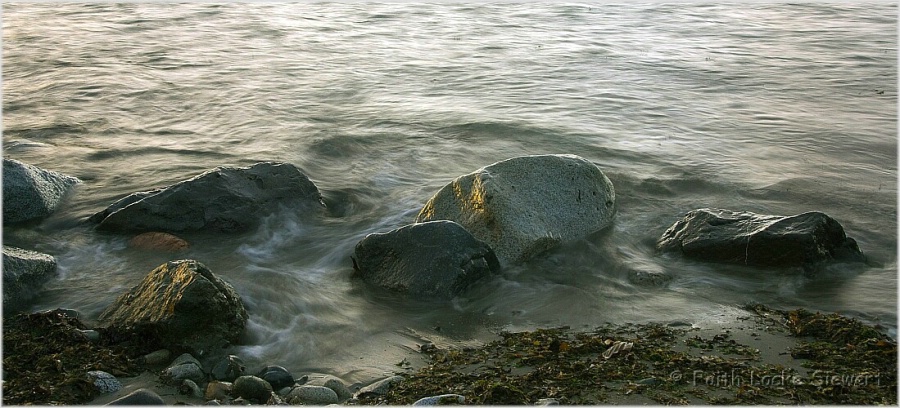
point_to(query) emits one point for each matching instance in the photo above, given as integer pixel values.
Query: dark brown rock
(158, 241)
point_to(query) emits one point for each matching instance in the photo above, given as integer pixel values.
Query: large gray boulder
(526, 205)
(436, 259)
(747, 238)
(183, 304)
(30, 192)
(226, 199)
(24, 272)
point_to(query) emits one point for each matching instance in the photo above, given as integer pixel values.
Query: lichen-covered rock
(312, 395)
(158, 241)
(252, 388)
(526, 205)
(225, 199)
(436, 259)
(30, 192)
(24, 272)
(218, 390)
(183, 304)
(104, 382)
(747, 238)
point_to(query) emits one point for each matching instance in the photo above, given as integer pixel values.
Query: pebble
(380, 387)
(228, 369)
(278, 376)
(336, 385)
(187, 371)
(252, 388)
(444, 399)
(218, 390)
(191, 388)
(547, 401)
(158, 357)
(312, 395)
(185, 359)
(141, 396)
(104, 382)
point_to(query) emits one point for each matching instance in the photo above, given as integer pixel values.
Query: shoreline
(753, 355)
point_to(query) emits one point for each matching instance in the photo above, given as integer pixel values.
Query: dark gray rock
(278, 376)
(526, 205)
(433, 259)
(183, 304)
(226, 199)
(30, 192)
(252, 388)
(718, 235)
(228, 368)
(24, 272)
(141, 396)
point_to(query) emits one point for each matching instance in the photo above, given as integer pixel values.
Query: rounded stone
(252, 388)
(178, 373)
(278, 376)
(526, 205)
(218, 390)
(104, 382)
(312, 395)
(228, 368)
(445, 399)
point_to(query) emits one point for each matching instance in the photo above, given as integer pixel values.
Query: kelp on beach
(842, 361)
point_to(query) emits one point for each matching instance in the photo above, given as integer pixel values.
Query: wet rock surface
(225, 199)
(184, 305)
(24, 272)
(30, 192)
(806, 240)
(526, 205)
(437, 259)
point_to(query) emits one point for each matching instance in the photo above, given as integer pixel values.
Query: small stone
(336, 385)
(104, 382)
(191, 388)
(546, 401)
(278, 376)
(141, 396)
(158, 357)
(218, 390)
(379, 387)
(445, 399)
(252, 388)
(187, 371)
(185, 359)
(427, 348)
(228, 369)
(312, 395)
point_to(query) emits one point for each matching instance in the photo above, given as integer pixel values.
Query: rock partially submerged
(158, 241)
(183, 304)
(747, 238)
(30, 192)
(24, 272)
(225, 199)
(526, 205)
(432, 259)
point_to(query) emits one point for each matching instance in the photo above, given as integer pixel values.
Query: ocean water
(771, 108)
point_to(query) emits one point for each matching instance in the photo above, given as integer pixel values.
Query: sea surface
(770, 108)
